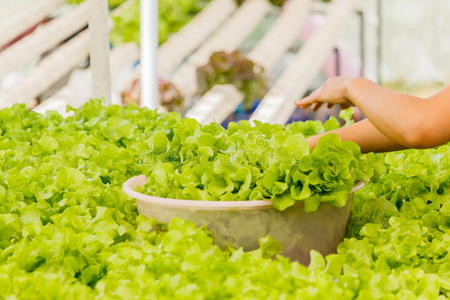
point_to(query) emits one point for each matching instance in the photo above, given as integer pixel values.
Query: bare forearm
(406, 120)
(365, 134)
(395, 115)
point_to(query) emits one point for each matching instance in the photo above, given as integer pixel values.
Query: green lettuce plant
(233, 68)
(173, 14)
(274, 2)
(169, 96)
(68, 231)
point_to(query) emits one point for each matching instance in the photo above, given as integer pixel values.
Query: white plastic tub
(242, 223)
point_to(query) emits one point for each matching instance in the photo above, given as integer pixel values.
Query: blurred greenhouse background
(415, 43)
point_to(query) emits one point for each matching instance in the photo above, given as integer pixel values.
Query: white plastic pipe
(149, 47)
(99, 47)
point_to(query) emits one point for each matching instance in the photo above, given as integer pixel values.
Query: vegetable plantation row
(68, 231)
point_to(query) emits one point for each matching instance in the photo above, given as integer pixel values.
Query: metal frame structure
(149, 49)
(380, 41)
(99, 49)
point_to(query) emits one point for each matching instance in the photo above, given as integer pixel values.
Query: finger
(303, 103)
(316, 106)
(310, 99)
(307, 101)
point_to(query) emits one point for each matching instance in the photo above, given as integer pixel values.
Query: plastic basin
(242, 223)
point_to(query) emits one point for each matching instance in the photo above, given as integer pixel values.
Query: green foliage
(111, 3)
(415, 184)
(346, 115)
(233, 68)
(274, 2)
(170, 97)
(401, 224)
(258, 162)
(67, 231)
(173, 14)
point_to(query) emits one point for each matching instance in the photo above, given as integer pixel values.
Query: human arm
(406, 120)
(367, 136)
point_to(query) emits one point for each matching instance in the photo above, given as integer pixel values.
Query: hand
(333, 91)
(312, 140)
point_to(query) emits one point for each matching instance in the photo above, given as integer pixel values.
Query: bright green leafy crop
(245, 162)
(173, 14)
(67, 231)
(274, 2)
(405, 219)
(111, 3)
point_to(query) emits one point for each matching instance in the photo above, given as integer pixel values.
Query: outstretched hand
(333, 91)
